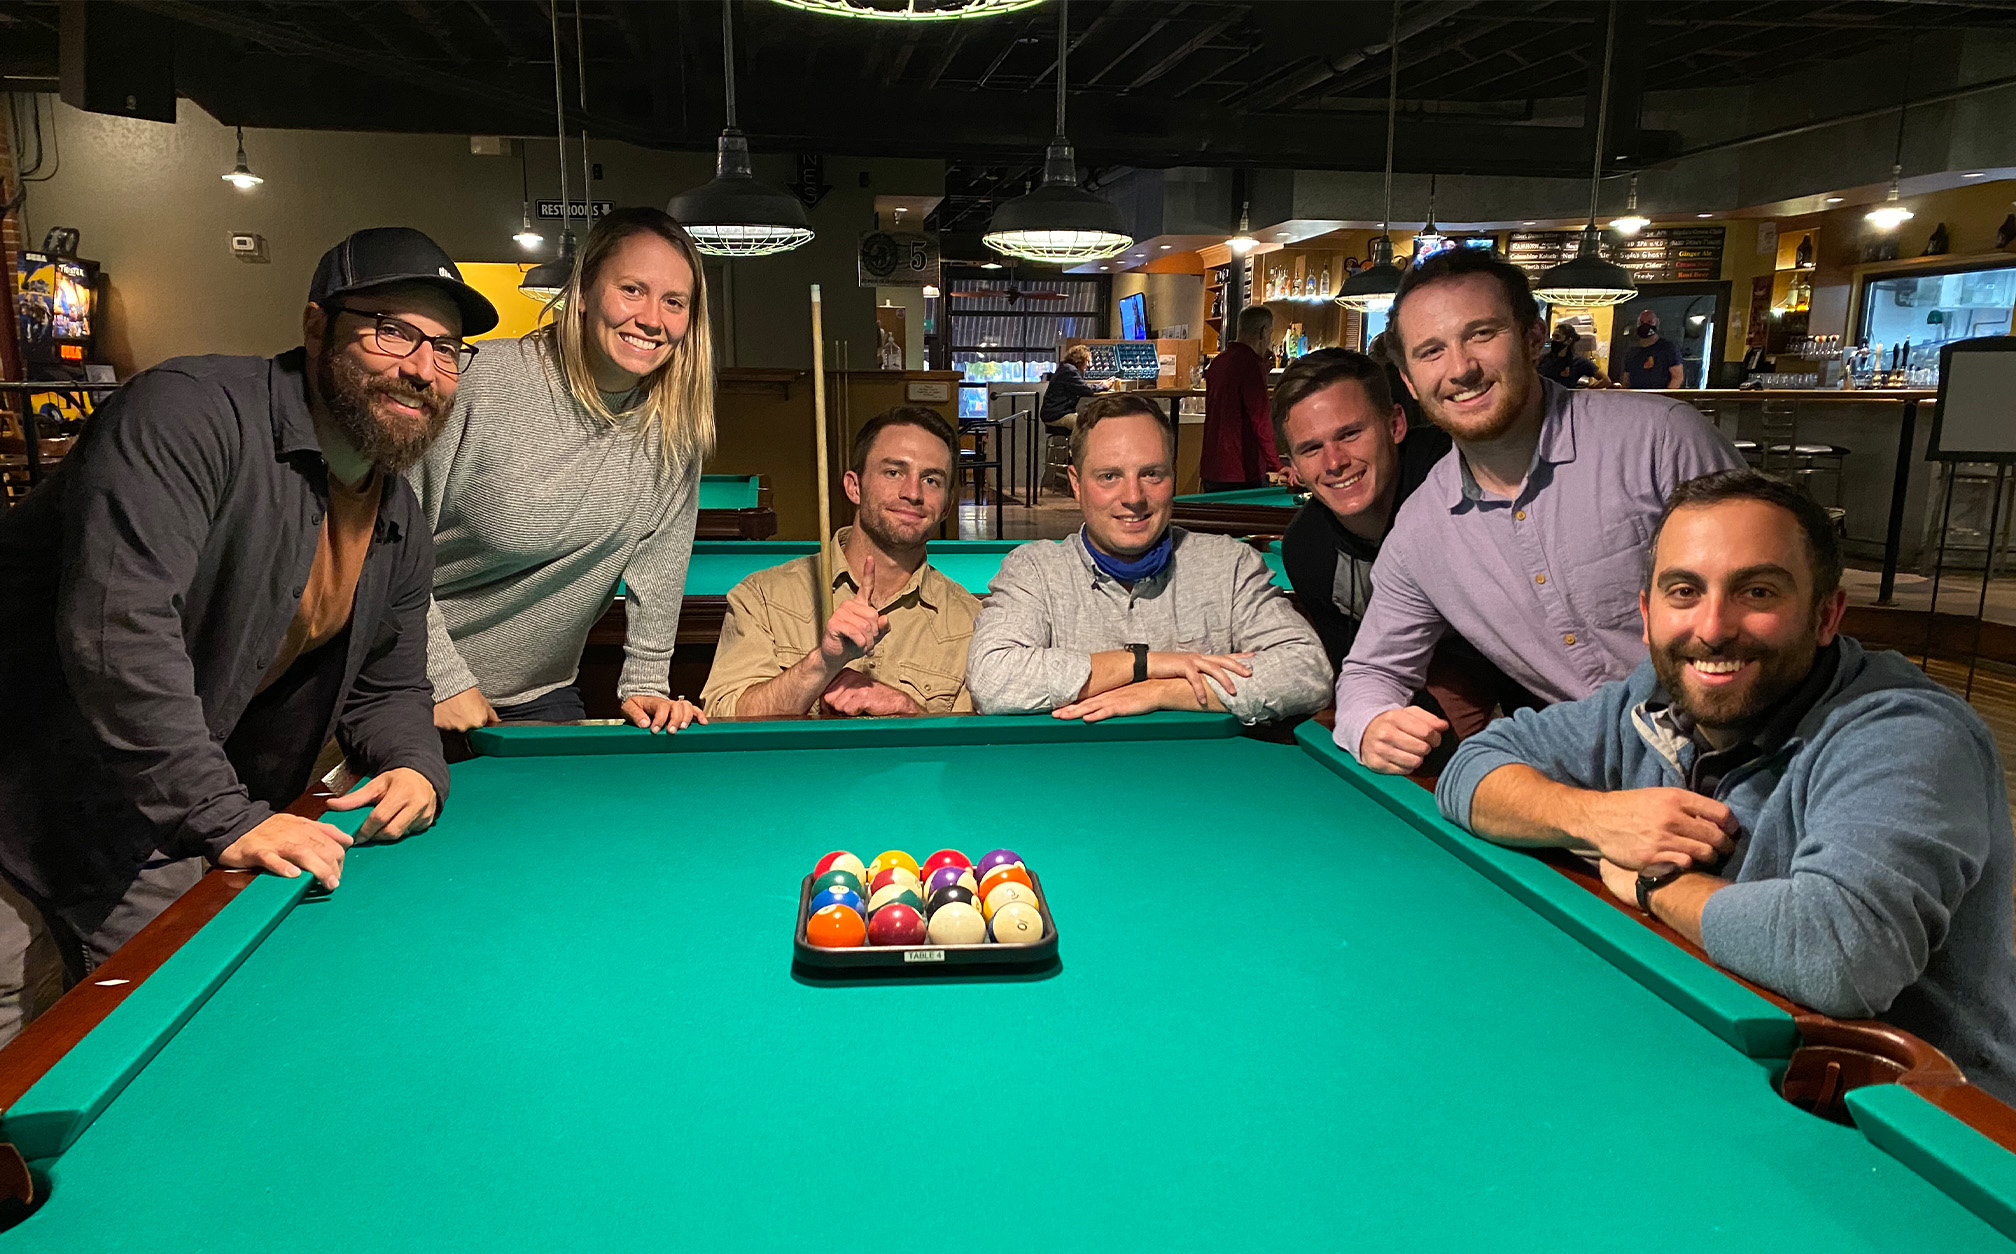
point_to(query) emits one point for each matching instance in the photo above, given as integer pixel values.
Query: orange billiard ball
(1005, 875)
(836, 927)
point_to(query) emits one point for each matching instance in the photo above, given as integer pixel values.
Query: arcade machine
(58, 304)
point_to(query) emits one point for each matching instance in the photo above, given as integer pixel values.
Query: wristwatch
(1653, 877)
(1140, 652)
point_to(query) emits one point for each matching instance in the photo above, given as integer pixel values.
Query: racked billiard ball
(841, 860)
(1005, 893)
(898, 893)
(896, 924)
(944, 857)
(956, 923)
(993, 858)
(951, 894)
(835, 927)
(888, 858)
(1016, 923)
(841, 876)
(946, 876)
(894, 875)
(1003, 875)
(837, 895)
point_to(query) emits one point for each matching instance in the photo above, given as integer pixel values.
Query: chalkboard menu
(1660, 254)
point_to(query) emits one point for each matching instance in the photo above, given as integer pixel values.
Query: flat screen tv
(1134, 316)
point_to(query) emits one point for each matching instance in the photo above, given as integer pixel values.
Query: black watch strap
(1140, 652)
(1653, 877)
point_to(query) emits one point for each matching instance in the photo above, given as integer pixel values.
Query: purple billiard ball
(999, 857)
(947, 876)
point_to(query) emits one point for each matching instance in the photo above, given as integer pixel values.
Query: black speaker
(117, 59)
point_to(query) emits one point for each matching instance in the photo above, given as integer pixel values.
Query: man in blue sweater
(1822, 820)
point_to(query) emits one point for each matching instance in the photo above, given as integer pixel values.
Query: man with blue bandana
(1130, 614)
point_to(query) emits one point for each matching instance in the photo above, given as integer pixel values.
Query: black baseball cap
(380, 256)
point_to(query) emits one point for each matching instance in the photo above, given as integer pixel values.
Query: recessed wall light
(1835, 200)
(1167, 247)
(1533, 223)
(1704, 215)
(1975, 174)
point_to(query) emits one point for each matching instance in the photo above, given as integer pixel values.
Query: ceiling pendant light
(1589, 281)
(241, 175)
(526, 236)
(1890, 215)
(1429, 239)
(911, 10)
(1243, 242)
(735, 215)
(1371, 289)
(548, 279)
(1059, 221)
(1632, 221)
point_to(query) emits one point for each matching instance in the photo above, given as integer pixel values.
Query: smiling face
(1127, 484)
(1346, 452)
(388, 407)
(1730, 617)
(636, 310)
(904, 489)
(1467, 358)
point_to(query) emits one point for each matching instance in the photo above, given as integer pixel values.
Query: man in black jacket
(227, 569)
(1343, 436)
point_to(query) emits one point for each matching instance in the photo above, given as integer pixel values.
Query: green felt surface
(565, 1020)
(1278, 498)
(718, 565)
(730, 491)
(1975, 1170)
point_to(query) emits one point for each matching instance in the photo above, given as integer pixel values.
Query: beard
(886, 533)
(392, 444)
(1514, 391)
(1779, 672)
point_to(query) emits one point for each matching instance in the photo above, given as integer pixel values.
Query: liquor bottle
(2006, 233)
(1309, 283)
(1938, 243)
(1803, 258)
(1324, 290)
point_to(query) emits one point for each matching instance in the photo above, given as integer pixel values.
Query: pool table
(735, 507)
(1249, 512)
(1291, 1010)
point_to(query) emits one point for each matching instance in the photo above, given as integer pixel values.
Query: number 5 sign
(898, 259)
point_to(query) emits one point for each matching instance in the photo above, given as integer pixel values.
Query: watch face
(1656, 874)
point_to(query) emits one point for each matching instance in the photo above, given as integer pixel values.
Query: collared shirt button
(298, 592)
(1539, 579)
(1518, 515)
(1569, 638)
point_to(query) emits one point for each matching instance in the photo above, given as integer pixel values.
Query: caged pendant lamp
(1059, 221)
(736, 215)
(548, 279)
(1588, 281)
(1371, 289)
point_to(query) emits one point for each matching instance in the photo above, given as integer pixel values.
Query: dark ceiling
(1294, 83)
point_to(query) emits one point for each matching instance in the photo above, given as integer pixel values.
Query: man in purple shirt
(1528, 542)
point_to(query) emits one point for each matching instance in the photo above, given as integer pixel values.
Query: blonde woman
(572, 463)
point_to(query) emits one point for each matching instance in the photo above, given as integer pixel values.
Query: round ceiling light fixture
(911, 10)
(736, 215)
(1587, 281)
(1371, 289)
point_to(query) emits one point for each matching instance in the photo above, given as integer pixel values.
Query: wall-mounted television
(1134, 316)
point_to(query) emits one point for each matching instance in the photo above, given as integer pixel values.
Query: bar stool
(1782, 452)
(975, 462)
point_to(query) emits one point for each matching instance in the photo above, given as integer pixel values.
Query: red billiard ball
(896, 924)
(944, 857)
(839, 860)
(895, 875)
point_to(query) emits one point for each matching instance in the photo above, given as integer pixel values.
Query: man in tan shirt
(896, 643)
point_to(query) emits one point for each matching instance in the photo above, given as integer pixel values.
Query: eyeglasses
(397, 338)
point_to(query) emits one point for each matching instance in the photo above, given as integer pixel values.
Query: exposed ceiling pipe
(1418, 18)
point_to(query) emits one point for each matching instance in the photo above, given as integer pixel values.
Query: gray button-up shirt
(1050, 609)
(1544, 585)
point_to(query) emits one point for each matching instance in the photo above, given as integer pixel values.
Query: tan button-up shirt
(773, 622)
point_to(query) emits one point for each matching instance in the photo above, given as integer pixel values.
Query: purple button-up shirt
(1544, 585)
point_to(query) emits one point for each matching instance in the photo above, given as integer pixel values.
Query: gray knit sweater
(538, 512)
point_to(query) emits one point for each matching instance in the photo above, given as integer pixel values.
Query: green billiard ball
(845, 878)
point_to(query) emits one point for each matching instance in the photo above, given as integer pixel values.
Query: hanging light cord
(560, 113)
(1392, 110)
(1903, 106)
(581, 80)
(1602, 114)
(728, 56)
(1063, 50)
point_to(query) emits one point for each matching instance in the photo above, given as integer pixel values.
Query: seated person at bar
(1560, 363)
(1652, 362)
(227, 570)
(1130, 614)
(1822, 819)
(1527, 542)
(1067, 387)
(1346, 440)
(896, 642)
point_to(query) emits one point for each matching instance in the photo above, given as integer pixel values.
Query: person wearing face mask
(1822, 818)
(1559, 363)
(1527, 541)
(227, 570)
(1652, 362)
(572, 463)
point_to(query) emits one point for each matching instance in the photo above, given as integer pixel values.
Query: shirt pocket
(1607, 584)
(935, 690)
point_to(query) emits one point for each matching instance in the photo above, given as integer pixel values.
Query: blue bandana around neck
(1146, 566)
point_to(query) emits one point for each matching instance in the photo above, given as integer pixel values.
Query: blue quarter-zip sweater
(1872, 871)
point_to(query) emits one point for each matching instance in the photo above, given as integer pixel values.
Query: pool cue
(825, 465)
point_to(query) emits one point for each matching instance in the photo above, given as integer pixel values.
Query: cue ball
(998, 857)
(835, 927)
(844, 878)
(894, 875)
(1005, 893)
(947, 876)
(1016, 923)
(840, 860)
(944, 857)
(838, 895)
(895, 894)
(889, 858)
(897, 924)
(951, 895)
(956, 923)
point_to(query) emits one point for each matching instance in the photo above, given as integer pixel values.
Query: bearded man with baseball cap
(225, 571)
